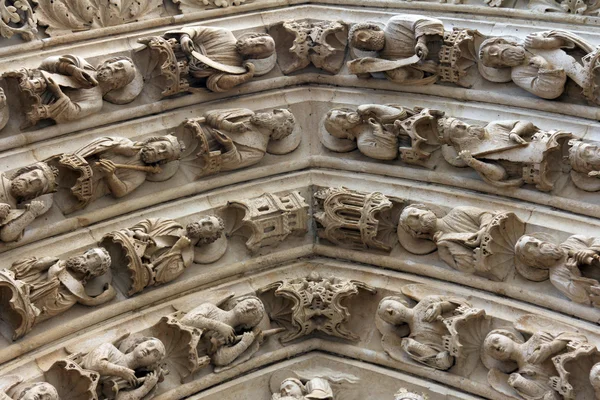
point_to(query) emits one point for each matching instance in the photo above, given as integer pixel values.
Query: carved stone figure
(468, 239)
(158, 250)
(292, 388)
(505, 153)
(302, 42)
(114, 165)
(269, 219)
(188, 6)
(412, 50)
(541, 64)
(4, 110)
(68, 88)
(405, 394)
(12, 388)
(17, 18)
(356, 219)
(581, 7)
(595, 379)
(383, 132)
(226, 140)
(314, 383)
(544, 361)
(210, 57)
(431, 332)
(584, 158)
(538, 259)
(129, 371)
(64, 17)
(315, 305)
(24, 196)
(36, 289)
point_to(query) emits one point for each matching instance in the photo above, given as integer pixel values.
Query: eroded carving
(317, 383)
(412, 50)
(269, 219)
(384, 132)
(584, 158)
(158, 250)
(538, 258)
(214, 58)
(63, 17)
(505, 153)
(113, 165)
(188, 6)
(439, 331)
(301, 43)
(36, 289)
(543, 358)
(542, 63)
(226, 140)
(315, 304)
(405, 394)
(13, 388)
(17, 18)
(468, 239)
(24, 196)
(581, 7)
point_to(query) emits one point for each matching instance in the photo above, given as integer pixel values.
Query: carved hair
(195, 229)
(334, 128)
(404, 216)
(177, 145)
(129, 345)
(50, 173)
(130, 75)
(495, 41)
(51, 390)
(241, 43)
(370, 26)
(260, 312)
(76, 264)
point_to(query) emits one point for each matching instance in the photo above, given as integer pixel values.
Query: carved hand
(107, 166)
(421, 50)
(4, 210)
(151, 380)
(584, 256)
(187, 44)
(248, 337)
(466, 156)
(54, 87)
(37, 207)
(129, 376)
(433, 312)
(223, 139)
(537, 41)
(84, 78)
(516, 138)
(540, 354)
(250, 67)
(228, 333)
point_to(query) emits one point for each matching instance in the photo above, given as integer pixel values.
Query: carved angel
(544, 360)
(439, 331)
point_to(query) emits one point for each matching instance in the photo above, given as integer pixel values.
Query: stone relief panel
(405, 394)
(302, 43)
(203, 57)
(17, 18)
(316, 383)
(189, 6)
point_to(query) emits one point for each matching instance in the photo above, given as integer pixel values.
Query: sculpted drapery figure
(211, 57)
(431, 332)
(505, 153)
(293, 388)
(538, 259)
(412, 49)
(24, 196)
(129, 371)
(468, 239)
(68, 88)
(158, 250)
(584, 158)
(383, 132)
(236, 138)
(41, 288)
(541, 64)
(114, 165)
(12, 388)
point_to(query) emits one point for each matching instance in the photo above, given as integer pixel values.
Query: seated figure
(505, 153)
(24, 196)
(42, 288)
(539, 259)
(68, 88)
(468, 239)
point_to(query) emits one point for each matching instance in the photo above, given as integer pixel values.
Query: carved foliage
(16, 17)
(188, 6)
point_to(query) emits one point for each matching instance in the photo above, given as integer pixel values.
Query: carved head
(500, 345)
(584, 156)
(207, 229)
(149, 352)
(249, 312)
(33, 181)
(393, 311)
(161, 149)
(38, 391)
(280, 122)
(340, 122)
(116, 72)
(537, 253)
(452, 128)
(91, 264)
(501, 53)
(256, 46)
(420, 223)
(404, 394)
(595, 379)
(291, 387)
(367, 36)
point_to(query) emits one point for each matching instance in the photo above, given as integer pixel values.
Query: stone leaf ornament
(189, 6)
(64, 17)
(17, 18)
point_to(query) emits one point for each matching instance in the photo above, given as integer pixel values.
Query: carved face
(279, 122)
(27, 184)
(249, 312)
(419, 223)
(590, 153)
(91, 264)
(256, 47)
(393, 312)
(500, 55)
(207, 229)
(117, 72)
(157, 151)
(537, 253)
(339, 123)
(291, 388)
(499, 347)
(149, 352)
(368, 39)
(39, 391)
